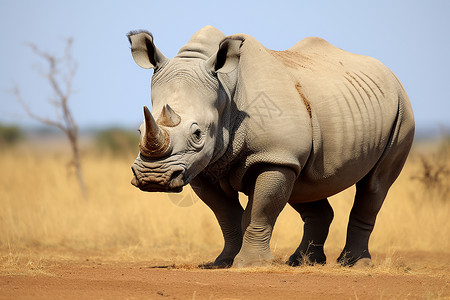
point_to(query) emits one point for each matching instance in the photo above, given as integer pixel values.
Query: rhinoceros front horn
(155, 142)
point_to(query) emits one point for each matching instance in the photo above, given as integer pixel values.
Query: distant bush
(434, 170)
(9, 135)
(117, 141)
(444, 148)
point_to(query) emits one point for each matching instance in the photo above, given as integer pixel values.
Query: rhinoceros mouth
(157, 188)
(174, 184)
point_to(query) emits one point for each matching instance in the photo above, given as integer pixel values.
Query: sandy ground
(413, 275)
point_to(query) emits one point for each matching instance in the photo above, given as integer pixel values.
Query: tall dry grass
(42, 210)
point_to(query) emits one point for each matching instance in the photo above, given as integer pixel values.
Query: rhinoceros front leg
(270, 193)
(228, 212)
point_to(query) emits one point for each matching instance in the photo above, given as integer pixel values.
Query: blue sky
(410, 37)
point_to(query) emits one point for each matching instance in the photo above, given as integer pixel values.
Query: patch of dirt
(424, 276)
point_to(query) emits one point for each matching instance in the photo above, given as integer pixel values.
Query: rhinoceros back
(353, 101)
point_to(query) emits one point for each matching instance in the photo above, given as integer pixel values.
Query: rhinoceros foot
(221, 264)
(354, 259)
(309, 259)
(253, 259)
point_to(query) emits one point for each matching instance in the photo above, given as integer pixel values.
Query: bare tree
(59, 72)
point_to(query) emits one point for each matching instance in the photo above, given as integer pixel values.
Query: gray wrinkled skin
(294, 126)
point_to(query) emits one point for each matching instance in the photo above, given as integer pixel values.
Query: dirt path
(123, 280)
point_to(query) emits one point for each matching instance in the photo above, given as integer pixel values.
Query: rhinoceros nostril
(176, 181)
(176, 175)
(134, 171)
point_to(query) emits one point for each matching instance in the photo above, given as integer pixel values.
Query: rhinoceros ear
(227, 57)
(144, 52)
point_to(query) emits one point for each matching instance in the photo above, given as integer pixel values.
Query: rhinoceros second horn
(168, 117)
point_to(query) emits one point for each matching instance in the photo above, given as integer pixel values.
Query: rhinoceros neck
(231, 144)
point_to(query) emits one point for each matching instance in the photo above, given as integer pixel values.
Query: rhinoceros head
(179, 139)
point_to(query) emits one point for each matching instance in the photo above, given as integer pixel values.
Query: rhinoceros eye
(196, 135)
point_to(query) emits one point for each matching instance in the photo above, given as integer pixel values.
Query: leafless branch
(32, 115)
(61, 84)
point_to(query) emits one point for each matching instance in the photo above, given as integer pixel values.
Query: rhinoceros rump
(295, 126)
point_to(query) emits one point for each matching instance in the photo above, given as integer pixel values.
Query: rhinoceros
(294, 126)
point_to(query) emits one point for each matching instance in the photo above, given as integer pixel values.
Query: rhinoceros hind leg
(317, 217)
(372, 189)
(368, 202)
(370, 194)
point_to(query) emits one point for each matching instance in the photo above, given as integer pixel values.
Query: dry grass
(43, 215)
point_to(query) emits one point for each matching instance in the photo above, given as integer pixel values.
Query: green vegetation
(118, 142)
(9, 135)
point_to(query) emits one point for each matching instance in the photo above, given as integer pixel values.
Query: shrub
(117, 141)
(434, 171)
(9, 135)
